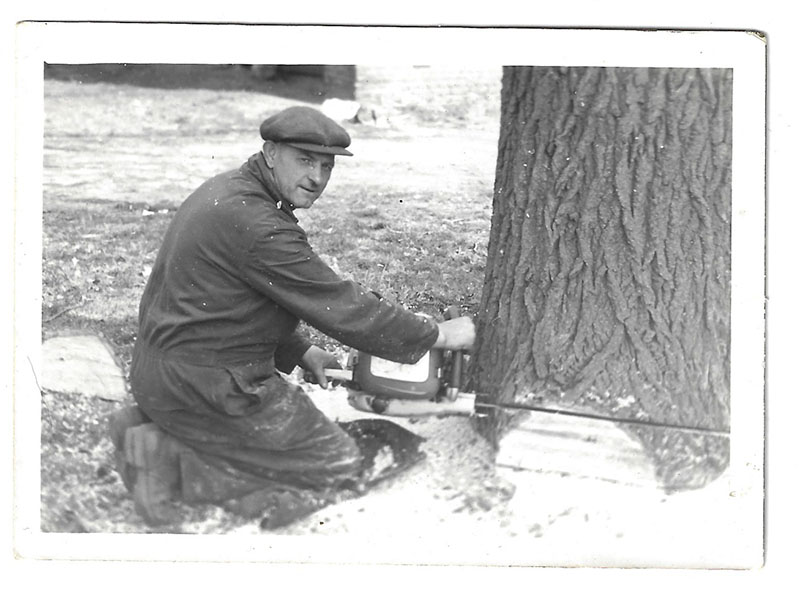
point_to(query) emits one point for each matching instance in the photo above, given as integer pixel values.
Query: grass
(96, 256)
(406, 250)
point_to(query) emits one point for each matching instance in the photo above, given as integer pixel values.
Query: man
(234, 276)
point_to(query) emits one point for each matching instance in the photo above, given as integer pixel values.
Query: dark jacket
(236, 273)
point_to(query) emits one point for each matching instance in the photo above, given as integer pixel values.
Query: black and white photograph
(494, 300)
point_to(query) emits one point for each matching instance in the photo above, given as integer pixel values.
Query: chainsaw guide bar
(432, 386)
(617, 420)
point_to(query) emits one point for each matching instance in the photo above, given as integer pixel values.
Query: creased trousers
(246, 427)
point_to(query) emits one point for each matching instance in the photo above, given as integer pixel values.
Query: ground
(409, 215)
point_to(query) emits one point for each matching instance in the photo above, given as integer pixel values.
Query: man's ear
(269, 149)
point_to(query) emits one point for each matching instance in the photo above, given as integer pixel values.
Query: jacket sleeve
(290, 351)
(282, 265)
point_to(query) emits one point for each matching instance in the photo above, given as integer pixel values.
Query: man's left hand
(316, 360)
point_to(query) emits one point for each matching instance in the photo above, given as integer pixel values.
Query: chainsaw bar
(570, 413)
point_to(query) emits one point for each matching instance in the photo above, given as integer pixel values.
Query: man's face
(301, 175)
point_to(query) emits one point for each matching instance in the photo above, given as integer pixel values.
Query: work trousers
(245, 428)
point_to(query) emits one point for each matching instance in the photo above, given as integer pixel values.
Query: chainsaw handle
(453, 312)
(337, 375)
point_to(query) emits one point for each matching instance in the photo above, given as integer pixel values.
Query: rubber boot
(154, 457)
(118, 423)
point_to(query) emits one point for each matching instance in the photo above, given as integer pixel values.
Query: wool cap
(308, 129)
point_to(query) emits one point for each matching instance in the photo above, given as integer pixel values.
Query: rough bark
(608, 272)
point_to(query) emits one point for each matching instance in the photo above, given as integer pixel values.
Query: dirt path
(128, 144)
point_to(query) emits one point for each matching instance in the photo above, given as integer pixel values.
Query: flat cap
(308, 129)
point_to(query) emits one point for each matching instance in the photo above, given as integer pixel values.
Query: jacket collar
(257, 165)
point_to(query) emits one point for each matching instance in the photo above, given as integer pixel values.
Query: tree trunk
(607, 281)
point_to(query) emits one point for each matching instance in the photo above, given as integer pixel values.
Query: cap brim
(321, 149)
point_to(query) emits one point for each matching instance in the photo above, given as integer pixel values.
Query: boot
(118, 423)
(154, 459)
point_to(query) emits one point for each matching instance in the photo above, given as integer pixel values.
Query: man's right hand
(316, 360)
(456, 334)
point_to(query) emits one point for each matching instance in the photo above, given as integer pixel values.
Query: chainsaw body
(431, 386)
(428, 387)
(420, 381)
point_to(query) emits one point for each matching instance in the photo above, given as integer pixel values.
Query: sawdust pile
(455, 487)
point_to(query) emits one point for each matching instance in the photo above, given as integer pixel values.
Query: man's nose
(315, 173)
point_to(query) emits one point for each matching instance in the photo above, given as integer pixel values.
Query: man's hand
(316, 360)
(456, 334)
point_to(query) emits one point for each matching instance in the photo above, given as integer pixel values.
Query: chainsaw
(431, 386)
